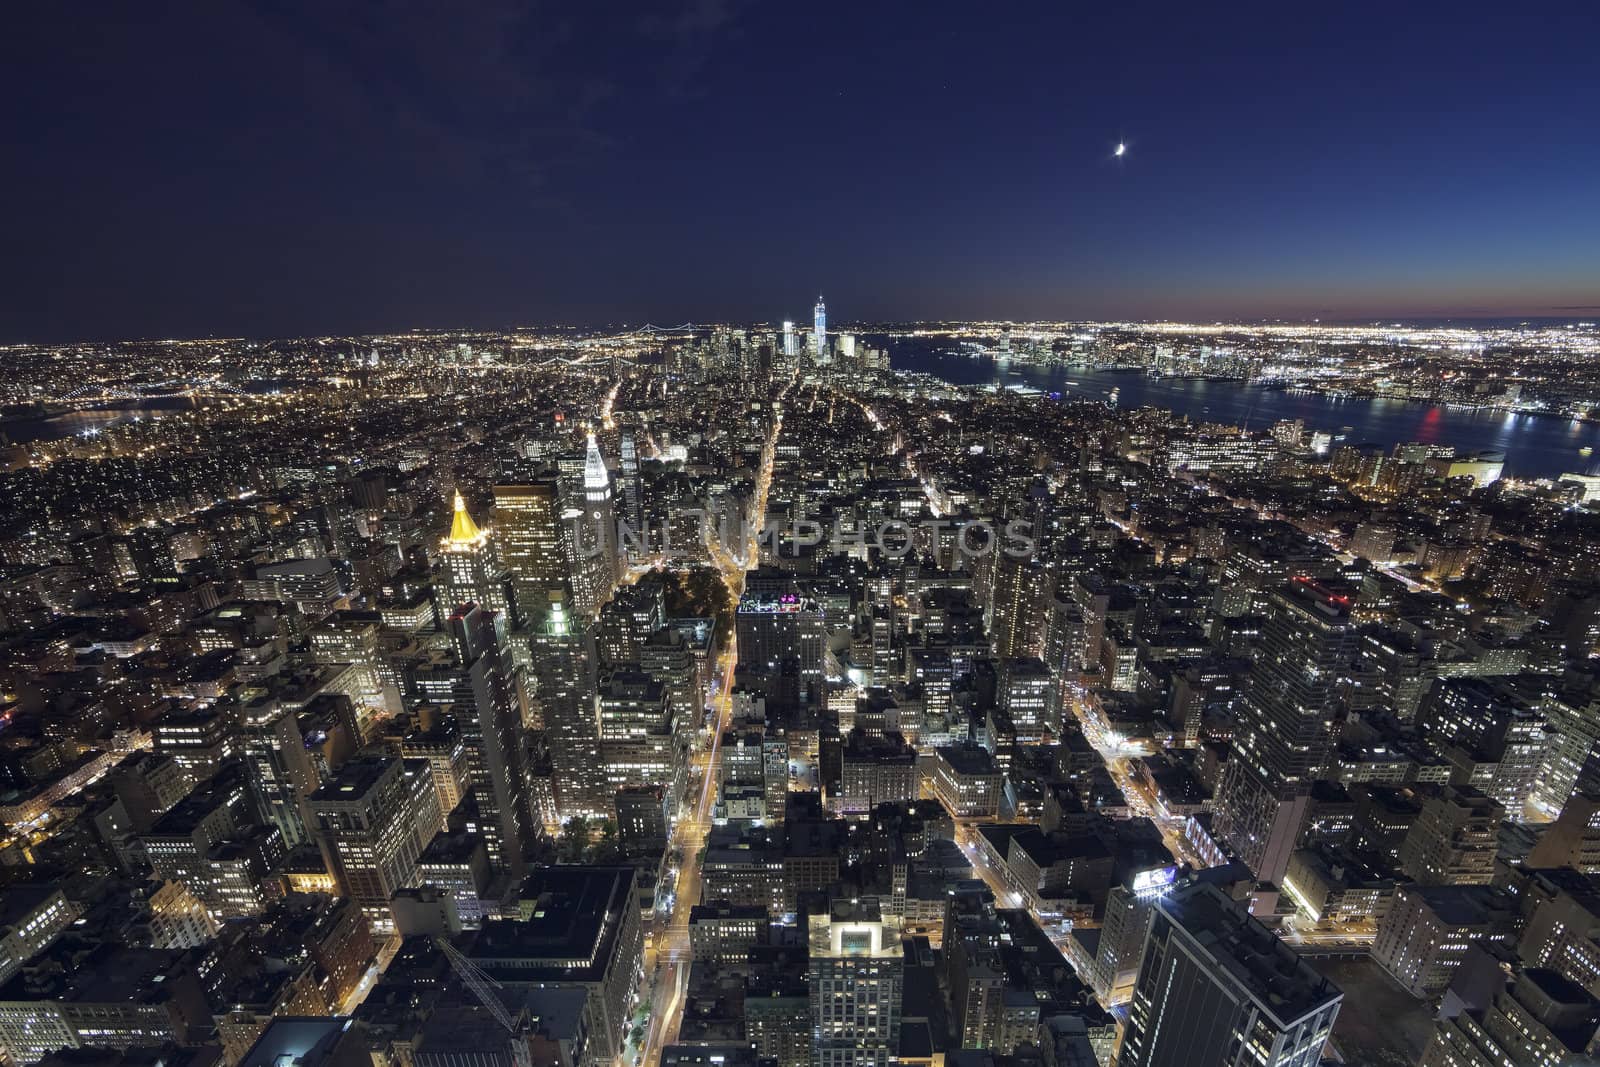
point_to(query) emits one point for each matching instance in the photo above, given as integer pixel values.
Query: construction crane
(483, 987)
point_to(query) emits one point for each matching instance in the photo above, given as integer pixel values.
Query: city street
(667, 963)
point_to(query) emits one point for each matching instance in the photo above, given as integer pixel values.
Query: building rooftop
(1463, 905)
(1269, 970)
(575, 918)
(353, 781)
(20, 901)
(968, 758)
(452, 848)
(102, 973)
(723, 909)
(1045, 849)
(1560, 1004)
(296, 1041)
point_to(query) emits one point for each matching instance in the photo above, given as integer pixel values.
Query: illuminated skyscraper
(632, 513)
(1019, 612)
(667, 657)
(781, 636)
(527, 525)
(469, 570)
(1027, 694)
(857, 985)
(1217, 988)
(489, 709)
(1286, 724)
(791, 340)
(637, 737)
(1066, 642)
(564, 664)
(819, 327)
(280, 773)
(626, 623)
(592, 535)
(373, 819)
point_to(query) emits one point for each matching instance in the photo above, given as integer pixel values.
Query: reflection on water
(1536, 446)
(23, 431)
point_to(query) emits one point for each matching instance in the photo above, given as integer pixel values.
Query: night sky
(226, 168)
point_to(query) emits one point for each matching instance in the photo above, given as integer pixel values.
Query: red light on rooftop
(1316, 587)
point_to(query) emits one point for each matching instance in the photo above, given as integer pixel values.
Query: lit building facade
(566, 684)
(1217, 987)
(372, 821)
(1285, 732)
(527, 525)
(857, 983)
(469, 569)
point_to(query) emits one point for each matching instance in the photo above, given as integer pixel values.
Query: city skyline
(682, 322)
(1237, 694)
(485, 167)
(457, 610)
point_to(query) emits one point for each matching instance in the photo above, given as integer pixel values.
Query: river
(26, 429)
(1536, 446)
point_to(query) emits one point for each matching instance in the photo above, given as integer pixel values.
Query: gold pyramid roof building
(470, 571)
(463, 531)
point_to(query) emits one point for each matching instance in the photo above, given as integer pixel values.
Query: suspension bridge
(109, 392)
